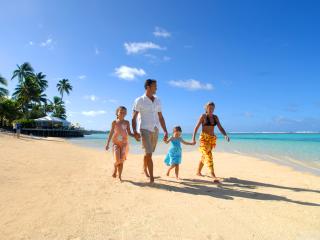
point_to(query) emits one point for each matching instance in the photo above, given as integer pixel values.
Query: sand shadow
(251, 184)
(227, 191)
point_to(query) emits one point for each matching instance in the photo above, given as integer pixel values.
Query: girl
(208, 138)
(120, 129)
(173, 158)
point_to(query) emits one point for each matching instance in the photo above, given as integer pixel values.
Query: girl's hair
(177, 128)
(120, 108)
(208, 104)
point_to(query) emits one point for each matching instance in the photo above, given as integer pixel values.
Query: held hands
(165, 137)
(193, 142)
(137, 136)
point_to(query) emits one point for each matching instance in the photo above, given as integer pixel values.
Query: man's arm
(163, 125)
(134, 125)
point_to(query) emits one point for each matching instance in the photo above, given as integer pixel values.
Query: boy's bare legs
(145, 165)
(200, 166)
(148, 157)
(169, 169)
(120, 167)
(176, 170)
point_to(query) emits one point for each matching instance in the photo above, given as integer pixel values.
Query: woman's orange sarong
(207, 144)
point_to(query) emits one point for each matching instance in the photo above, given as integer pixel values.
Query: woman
(208, 138)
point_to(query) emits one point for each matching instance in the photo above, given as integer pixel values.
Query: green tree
(28, 93)
(41, 80)
(3, 92)
(64, 86)
(22, 72)
(58, 107)
(9, 111)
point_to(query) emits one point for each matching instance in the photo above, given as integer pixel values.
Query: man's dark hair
(149, 82)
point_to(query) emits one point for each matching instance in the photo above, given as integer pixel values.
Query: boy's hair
(209, 104)
(177, 128)
(149, 82)
(119, 108)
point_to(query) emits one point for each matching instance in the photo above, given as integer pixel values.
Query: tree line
(29, 100)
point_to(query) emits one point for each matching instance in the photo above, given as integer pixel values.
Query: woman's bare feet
(216, 180)
(114, 175)
(199, 174)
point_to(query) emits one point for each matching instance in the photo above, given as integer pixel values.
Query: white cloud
(96, 51)
(68, 102)
(191, 84)
(160, 32)
(82, 76)
(93, 113)
(113, 100)
(47, 43)
(31, 43)
(91, 97)
(139, 47)
(128, 73)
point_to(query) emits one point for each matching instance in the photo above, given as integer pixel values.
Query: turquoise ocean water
(298, 150)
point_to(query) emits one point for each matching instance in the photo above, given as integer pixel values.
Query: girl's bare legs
(200, 166)
(116, 156)
(120, 167)
(176, 170)
(114, 174)
(169, 169)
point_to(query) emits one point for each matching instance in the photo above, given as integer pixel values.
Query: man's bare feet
(146, 173)
(114, 175)
(199, 174)
(151, 179)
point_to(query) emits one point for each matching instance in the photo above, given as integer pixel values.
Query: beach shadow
(251, 184)
(226, 191)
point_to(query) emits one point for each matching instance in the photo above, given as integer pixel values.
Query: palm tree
(22, 72)
(3, 91)
(64, 86)
(27, 93)
(58, 107)
(42, 82)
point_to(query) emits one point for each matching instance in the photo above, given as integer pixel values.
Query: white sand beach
(51, 189)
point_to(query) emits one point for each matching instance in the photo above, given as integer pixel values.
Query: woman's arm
(129, 130)
(187, 143)
(110, 135)
(196, 128)
(222, 129)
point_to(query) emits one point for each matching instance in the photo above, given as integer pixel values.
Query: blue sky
(259, 61)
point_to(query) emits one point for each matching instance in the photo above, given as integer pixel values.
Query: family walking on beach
(147, 109)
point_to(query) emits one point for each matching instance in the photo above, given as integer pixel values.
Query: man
(148, 107)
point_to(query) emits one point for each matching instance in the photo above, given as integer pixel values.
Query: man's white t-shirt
(148, 112)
